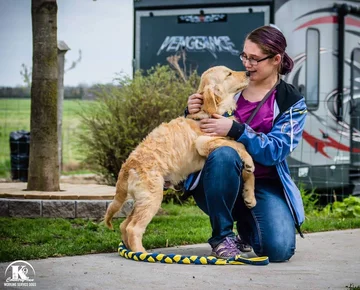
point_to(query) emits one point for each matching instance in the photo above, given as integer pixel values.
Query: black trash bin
(19, 154)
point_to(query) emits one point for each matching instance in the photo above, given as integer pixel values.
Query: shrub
(310, 200)
(348, 208)
(123, 115)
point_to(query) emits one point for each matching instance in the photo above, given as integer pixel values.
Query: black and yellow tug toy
(197, 260)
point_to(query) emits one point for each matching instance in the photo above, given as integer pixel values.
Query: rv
(323, 40)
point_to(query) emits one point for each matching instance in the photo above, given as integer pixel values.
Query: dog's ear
(204, 82)
(219, 93)
(209, 105)
(202, 86)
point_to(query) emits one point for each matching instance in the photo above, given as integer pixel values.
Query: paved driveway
(329, 260)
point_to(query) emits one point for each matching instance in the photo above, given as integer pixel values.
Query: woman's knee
(278, 248)
(273, 224)
(225, 156)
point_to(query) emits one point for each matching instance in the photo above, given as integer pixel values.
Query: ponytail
(287, 64)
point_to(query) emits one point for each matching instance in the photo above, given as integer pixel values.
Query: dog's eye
(229, 74)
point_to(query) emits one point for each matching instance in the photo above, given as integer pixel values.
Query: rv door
(355, 108)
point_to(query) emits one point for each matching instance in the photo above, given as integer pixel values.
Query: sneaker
(241, 245)
(246, 250)
(226, 249)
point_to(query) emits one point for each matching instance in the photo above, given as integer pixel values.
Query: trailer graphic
(212, 44)
(323, 40)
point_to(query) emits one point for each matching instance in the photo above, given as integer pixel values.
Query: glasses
(253, 61)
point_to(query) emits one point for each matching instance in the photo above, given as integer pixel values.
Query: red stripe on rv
(352, 21)
(329, 19)
(320, 20)
(319, 145)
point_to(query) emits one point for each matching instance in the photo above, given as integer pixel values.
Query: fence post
(62, 49)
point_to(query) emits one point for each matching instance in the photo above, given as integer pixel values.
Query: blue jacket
(273, 148)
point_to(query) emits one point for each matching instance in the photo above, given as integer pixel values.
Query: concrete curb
(59, 208)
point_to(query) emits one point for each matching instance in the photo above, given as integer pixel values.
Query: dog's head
(218, 85)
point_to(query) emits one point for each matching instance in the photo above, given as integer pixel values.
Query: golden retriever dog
(174, 150)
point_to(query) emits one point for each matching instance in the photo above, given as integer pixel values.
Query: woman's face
(259, 70)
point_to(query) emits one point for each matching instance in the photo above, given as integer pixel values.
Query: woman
(270, 137)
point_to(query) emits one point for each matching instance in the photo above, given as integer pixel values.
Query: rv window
(312, 68)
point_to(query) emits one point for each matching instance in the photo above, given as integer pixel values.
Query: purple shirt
(262, 122)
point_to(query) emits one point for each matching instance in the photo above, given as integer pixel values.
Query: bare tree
(26, 74)
(75, 62)
(44, 162)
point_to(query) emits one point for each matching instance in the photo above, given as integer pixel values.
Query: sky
(101, 29)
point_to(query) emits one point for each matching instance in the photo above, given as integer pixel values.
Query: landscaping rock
(24, 208)
(55, 208)
(90, 209)
(4, 208)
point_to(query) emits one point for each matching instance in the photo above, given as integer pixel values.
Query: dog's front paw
(250, 202)
(249, 165)
(249, 197)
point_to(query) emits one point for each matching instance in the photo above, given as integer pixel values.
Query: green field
(15, 115)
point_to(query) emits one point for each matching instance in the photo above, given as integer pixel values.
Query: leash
(268, 94)
(180, 259)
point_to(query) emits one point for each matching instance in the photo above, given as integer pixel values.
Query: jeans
(268, 227)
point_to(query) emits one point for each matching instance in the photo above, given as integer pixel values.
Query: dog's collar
(229, 113)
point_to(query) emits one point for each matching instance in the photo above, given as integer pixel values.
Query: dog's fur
(174, 150)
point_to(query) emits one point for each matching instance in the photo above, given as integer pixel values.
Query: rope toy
(180, 259)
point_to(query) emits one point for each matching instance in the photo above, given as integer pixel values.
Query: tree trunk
(44, 161)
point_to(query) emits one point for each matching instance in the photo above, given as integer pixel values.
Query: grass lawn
(23, 238)
(15, 115)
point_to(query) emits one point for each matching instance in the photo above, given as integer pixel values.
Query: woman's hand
(216, 126)
(194, 103)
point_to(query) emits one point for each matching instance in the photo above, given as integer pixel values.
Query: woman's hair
(272, 42)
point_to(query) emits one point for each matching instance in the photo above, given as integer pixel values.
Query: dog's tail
(119, 199)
